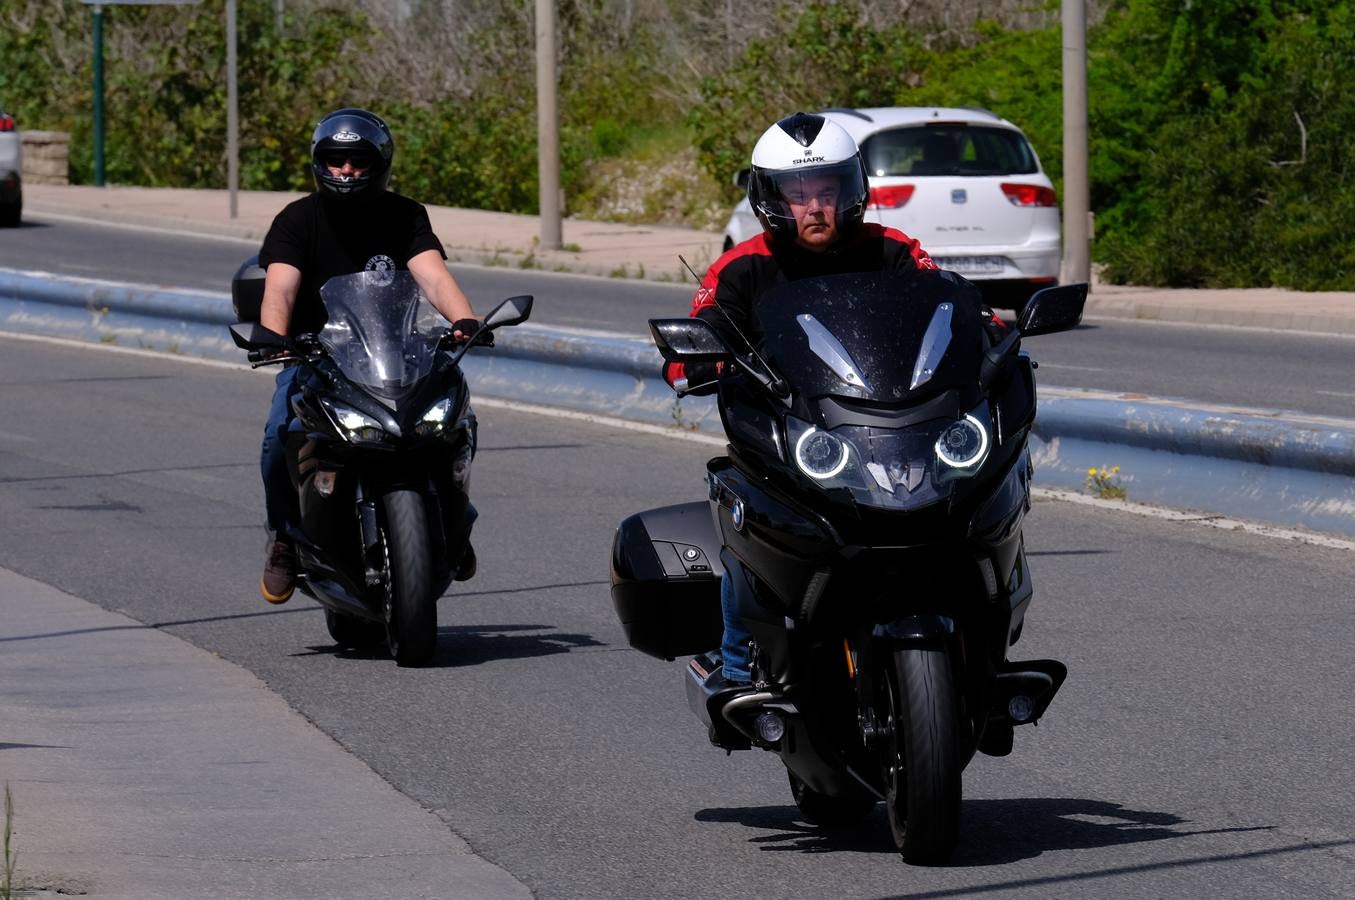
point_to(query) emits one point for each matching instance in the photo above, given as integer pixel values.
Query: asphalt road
(1248, 368)
(1201, 746)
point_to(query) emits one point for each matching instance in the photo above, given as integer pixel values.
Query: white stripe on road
(1046, 365)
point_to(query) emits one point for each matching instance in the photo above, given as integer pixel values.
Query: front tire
(411, 608)
(922, 764)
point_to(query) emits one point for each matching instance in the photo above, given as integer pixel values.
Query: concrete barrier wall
(1283, 468)
(46, 157)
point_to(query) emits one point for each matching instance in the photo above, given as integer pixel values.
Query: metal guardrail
(1276, 467)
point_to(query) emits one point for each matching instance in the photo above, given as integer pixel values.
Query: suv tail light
(6, 122)
(890, 197)
(1029, 195)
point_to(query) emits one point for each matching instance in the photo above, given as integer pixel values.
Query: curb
(1275, 467)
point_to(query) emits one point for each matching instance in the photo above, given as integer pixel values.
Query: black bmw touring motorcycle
(873, 492)
(381, 462)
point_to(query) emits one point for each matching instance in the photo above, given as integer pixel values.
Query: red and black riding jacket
(739, 278)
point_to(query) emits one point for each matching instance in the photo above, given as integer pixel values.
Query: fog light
(770, 727)
(1020, 708)
(324, 483)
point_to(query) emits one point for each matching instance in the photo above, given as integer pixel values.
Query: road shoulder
(141, 766)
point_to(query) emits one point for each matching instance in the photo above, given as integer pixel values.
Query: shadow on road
(993, 832)
(996, 832)
(471, 645)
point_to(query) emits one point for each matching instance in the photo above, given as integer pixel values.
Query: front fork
(373, 548)
(868, 657)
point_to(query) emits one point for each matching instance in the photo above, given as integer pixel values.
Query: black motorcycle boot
(279, 572)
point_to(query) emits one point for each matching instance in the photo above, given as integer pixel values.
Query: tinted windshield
(863, 335)
(954, 149)
(381, 332)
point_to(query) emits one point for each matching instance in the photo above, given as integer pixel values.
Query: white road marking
(1195, 518)
(1170, 323)
(1047, 365)
(1336, 393)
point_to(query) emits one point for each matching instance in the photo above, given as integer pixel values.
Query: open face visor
(782, 192)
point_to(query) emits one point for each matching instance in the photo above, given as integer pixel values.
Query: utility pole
(232, 114)
(547, 126)
(1076, 184)
(98, 95)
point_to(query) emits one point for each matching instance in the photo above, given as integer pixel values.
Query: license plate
(972, 265)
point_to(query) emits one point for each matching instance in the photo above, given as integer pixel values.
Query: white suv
(965, 182)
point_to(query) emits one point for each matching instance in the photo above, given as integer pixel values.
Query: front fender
(916, 629)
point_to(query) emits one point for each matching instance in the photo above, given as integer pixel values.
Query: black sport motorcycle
(381, 458)
(872, 496)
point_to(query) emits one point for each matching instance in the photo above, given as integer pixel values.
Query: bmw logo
(736, 514)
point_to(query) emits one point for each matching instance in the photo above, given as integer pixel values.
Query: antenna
(695, 277)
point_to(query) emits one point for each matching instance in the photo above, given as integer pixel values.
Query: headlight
(432, 421)
(820, 455)
(963, 444)
(356, 427)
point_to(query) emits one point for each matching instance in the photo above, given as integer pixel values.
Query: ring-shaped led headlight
(963, 444)
(820, 455)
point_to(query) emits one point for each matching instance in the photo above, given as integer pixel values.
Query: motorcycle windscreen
(381, 333)
(886, 337)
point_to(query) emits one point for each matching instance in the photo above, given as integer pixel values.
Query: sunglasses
(359, 160)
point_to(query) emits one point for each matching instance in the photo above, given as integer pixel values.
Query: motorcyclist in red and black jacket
(808, 188)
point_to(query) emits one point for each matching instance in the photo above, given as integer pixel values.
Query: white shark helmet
(792, 159)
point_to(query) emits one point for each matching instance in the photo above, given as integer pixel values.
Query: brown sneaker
(279, 572)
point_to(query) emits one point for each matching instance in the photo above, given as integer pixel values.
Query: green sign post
(97, 8)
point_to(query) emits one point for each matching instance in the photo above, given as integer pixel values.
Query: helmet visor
(789, 193)
(336, 157)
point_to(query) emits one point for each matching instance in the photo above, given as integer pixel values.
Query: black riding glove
(473, 330)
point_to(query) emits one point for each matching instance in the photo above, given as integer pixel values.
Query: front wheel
(922, 762)
(411, 608)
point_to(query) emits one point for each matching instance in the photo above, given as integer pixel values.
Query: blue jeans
(736, 595)
(279, 497)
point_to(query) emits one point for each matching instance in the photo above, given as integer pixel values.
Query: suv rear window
(948, 150)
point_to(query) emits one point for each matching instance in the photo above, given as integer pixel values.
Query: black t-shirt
(324, 237)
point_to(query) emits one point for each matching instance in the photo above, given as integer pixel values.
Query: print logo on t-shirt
(383, 266)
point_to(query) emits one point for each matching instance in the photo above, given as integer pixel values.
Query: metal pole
(547, 126)
(98, 96)
(1076, 185)
(232, 113)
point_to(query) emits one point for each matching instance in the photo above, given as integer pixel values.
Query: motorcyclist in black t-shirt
(808, 188)
(350, 224)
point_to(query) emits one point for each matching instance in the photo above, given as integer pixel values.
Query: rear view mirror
(1053, 309)
(741, 179)
(253, 336)
(688, 340)
(512, 311)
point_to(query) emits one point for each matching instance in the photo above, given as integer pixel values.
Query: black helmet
(357, 135)
(799, 147)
